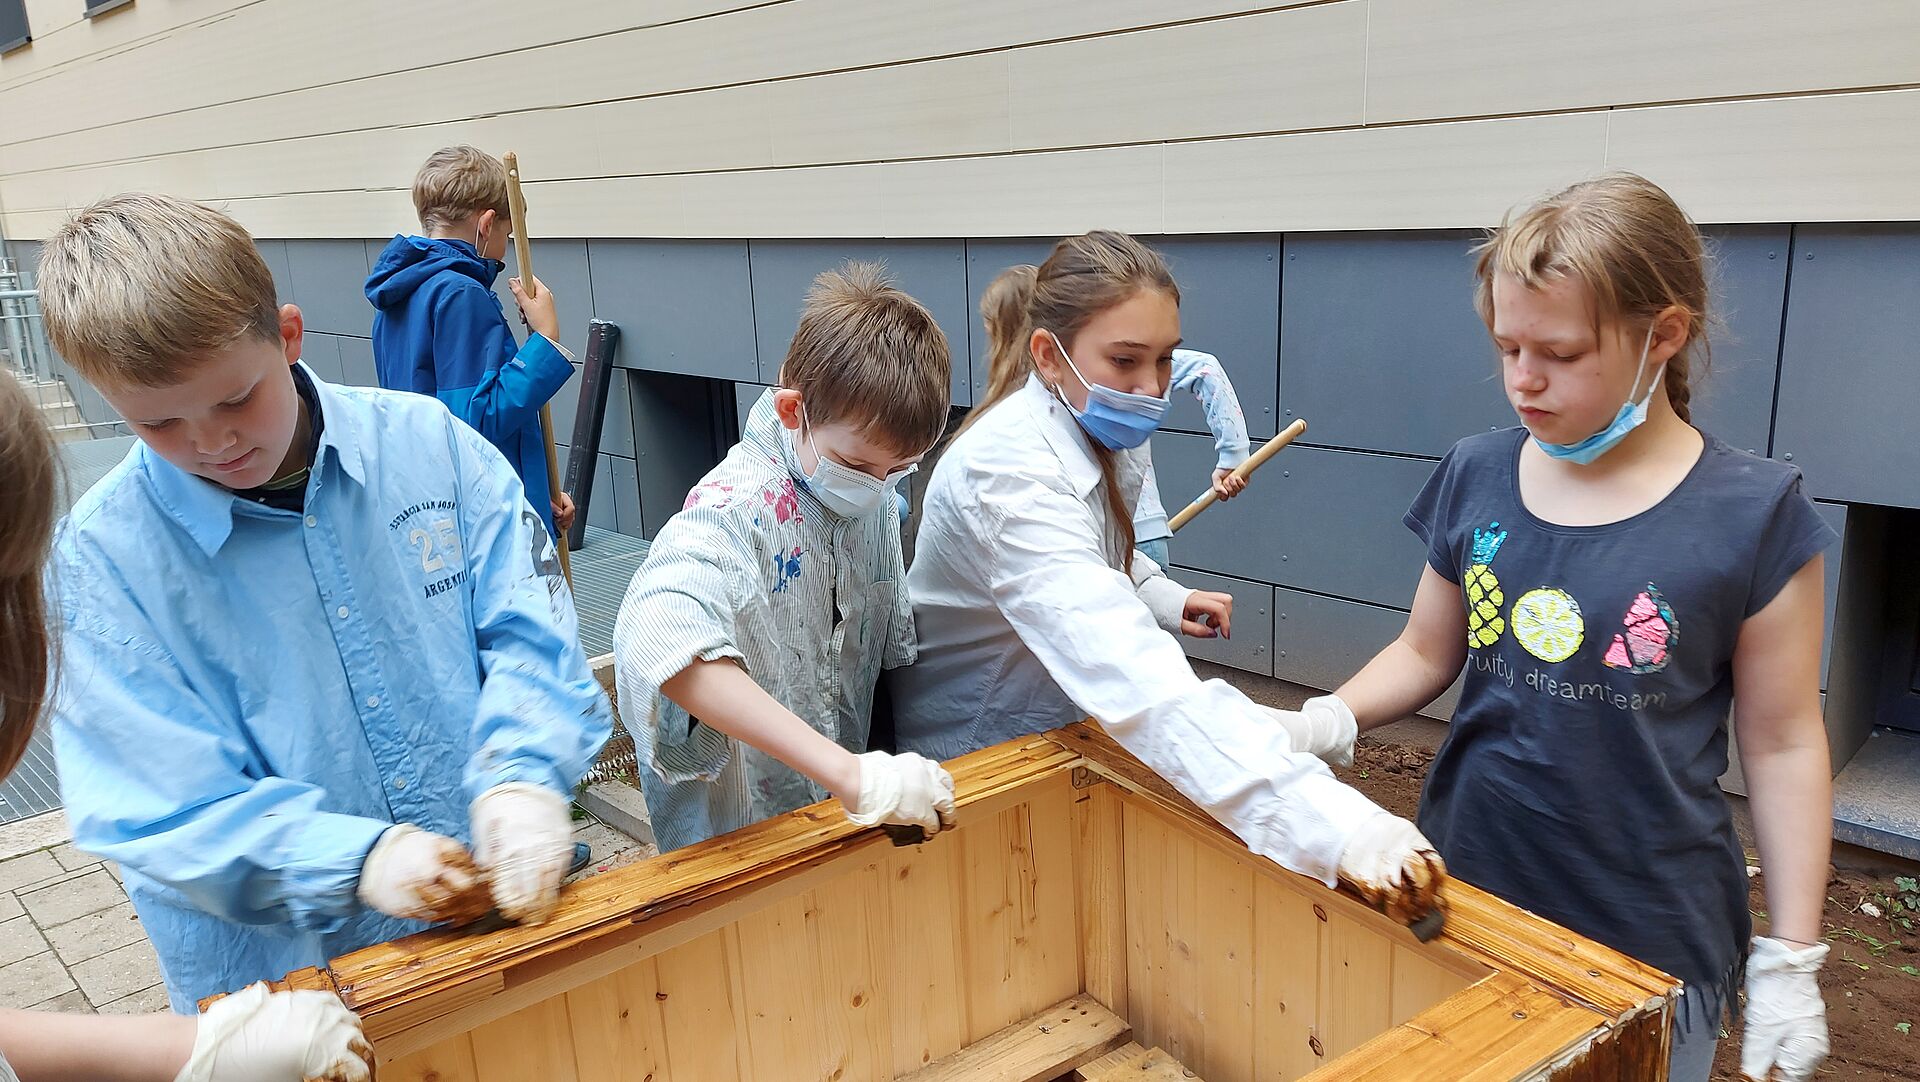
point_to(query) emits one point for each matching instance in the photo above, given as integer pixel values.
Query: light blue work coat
(250, 696)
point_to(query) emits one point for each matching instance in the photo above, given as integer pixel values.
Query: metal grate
(33, 787)
(602, 568)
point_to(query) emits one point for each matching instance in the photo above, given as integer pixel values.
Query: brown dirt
(1871, 979)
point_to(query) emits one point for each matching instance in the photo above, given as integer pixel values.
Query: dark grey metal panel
(1229, 307)
(626, 496)
(1313, 519)
(1322, 641)
(14, 31)
(985, 260)
(932, 271)
(274, 252)
(1380, 348)
(1850, 363)
(329, 284)
(562, 265)
(674, 441)
(356, 362)
(1230, 294)
(1733, 398)
(603, 508)
(1251, 647)
(1836, 516)
(744, 396)
(321, 352)
(682, 305)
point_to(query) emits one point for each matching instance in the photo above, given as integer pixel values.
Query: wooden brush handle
(517, 207)
(1243, 470)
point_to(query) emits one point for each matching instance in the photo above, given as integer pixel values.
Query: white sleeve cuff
(1165, 599)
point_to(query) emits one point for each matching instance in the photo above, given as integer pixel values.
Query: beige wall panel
(268, 48)
(1416, 177)
(784, 40)
(63, 34)
(948, 107)
(1847, 157)
(1462, 58)
(1280, 71)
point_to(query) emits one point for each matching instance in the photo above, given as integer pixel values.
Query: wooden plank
(1042, 1047)
(1148, 1065)
(1481, 930)
(1146, 867)
(535, 1043)
(697, 1011)
(1460, 58)
(1419, 983)
(1182, 974)
(619, 1033)
(1499, 1029)
(1356, 980)
(449, 1061)
(925, 939)
(1099, 872)
(1224, 946)
(848, 934)
(619, 904)
(1018, 910)
(773, 953)
(1286, 982)
(1094, 1068)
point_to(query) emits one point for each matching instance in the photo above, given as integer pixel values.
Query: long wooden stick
(1268, 450)
(517, 205)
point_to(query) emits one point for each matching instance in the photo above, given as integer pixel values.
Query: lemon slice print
(1547, 622)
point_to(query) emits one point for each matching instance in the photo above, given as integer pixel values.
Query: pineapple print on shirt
(1485, 625)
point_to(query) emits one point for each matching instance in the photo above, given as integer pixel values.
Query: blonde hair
(1629, 243)
(1081, 278)
(457, 183)
(29, 476)
(868, 356)
(137, 288)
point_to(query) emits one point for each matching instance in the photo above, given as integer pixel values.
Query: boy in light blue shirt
(314, 638)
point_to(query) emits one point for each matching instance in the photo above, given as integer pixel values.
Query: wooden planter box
(1082, 922)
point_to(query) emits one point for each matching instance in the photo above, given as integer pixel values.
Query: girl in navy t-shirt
(1611, 579)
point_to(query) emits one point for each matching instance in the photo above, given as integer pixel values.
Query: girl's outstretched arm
(42, 1046)
(1416, 667)
(1783, 751)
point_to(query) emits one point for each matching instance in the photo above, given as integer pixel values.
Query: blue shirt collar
(205, 510)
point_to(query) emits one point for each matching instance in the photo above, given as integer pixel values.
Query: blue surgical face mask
(845, 491)
(1118, 420)
(1631, 416)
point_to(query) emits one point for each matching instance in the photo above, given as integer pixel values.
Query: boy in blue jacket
(438, 328)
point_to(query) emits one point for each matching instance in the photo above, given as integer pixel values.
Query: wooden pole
(1268, 450)
(517, 204)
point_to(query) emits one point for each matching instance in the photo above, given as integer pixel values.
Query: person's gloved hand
(1394, 867)
(523, 840)
(1786, 1021)
(1323, 726)
(419, 875)
(905, 788)
(257, 1036)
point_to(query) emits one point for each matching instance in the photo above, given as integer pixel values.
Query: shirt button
(311, 521)
(341, 612)
(399, 783)
(373, 701)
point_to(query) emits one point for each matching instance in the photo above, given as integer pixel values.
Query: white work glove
(419, 875)
(254, 1036)
(523, 839)
(905, 788)
(1323, 726)
(1394, 866)
(1786, 1021)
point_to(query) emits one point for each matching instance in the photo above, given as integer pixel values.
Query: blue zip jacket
(438, 329)
(249, 697)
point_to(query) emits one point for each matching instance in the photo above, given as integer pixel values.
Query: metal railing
(25, 352)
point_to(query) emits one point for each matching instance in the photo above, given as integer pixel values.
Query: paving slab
(56, 905)
(118, 973)
(33, 980)
(95, 934)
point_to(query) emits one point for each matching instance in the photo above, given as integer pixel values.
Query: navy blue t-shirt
(1579, 778)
